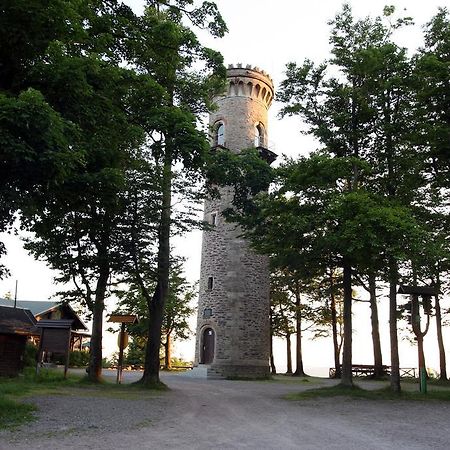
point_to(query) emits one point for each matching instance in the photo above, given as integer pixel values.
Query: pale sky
(267, 34)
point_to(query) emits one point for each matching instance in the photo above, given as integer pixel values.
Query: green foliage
(135, 355)
(179, 362)
(30, 355)
(78, 358)
(178, 310)
(432, 68)
(111, 362)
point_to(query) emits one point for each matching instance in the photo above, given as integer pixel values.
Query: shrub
(79, 358)
(30, 355)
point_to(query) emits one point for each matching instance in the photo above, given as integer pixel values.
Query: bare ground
(203, 414)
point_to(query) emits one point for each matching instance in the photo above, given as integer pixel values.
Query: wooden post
(66, 365)
(415, 317)
(121, 346)
(39, 356)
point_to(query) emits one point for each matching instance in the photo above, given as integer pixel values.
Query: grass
(378, 394)
(289, 379)
(239, 378)
(13, 412)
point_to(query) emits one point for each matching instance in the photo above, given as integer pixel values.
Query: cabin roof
(17, 321)
(39, 308)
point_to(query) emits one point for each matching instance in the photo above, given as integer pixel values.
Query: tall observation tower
(233, 328)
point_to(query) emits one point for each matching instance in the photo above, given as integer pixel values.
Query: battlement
(250, 82)
(251, 68)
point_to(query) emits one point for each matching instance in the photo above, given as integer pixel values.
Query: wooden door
(208, 346)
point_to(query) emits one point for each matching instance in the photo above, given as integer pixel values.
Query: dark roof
(418, 290)
(54, 323)
(17, 321)
(39, 308)
(36, 307)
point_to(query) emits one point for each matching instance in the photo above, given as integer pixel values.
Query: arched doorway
(207, 354)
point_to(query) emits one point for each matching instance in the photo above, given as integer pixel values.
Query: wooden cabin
(47, 310)
(16, 326)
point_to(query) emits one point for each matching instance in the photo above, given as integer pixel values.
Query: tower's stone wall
(238, 302)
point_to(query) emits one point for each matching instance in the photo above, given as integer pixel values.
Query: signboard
(125, 339)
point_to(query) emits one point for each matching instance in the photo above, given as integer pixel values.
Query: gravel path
(204, 414)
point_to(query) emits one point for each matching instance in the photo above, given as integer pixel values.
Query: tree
(433, 135)
(39, 145)
(364, 112)
(77, 226)
(282, 315)
(371, 287)
(307, 216)
(178, 309)
(177, 312)
(327, 292)
(432, 91)
(168, 51)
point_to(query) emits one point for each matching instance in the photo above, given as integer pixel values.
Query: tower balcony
(267, 154)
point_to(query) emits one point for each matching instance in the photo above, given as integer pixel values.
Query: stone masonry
(234, 281)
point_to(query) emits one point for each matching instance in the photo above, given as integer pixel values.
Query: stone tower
(233, 329)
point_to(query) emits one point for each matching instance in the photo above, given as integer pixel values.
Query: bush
(111, 362)
(134, 357)
(30, 355)
(79, 359)
(179, 362)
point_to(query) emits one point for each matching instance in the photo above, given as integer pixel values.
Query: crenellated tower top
(250, 82)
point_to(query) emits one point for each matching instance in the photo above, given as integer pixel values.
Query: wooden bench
(360, 370)
(368, 370)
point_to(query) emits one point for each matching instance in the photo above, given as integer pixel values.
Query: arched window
(260, 136)
(219, 137)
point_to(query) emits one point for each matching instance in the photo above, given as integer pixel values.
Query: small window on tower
(260, 136)
(219, 138)
(210, 283)
(213, 220)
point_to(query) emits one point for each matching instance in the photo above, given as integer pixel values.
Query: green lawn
(434, 393)
(14, 412)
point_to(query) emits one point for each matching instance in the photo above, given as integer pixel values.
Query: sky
(267, 34)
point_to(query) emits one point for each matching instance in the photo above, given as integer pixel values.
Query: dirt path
(204, 414)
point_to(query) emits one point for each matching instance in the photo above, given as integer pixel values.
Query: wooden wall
(12, 347)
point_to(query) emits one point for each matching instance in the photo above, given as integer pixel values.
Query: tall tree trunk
(273, 369)
(95, 358)
(288, 352)
(156, 307)
(442, 359)
(377, 356)
(168, 352)
(337, 351)
(299, 371)
(395, 362)
(347, 379)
